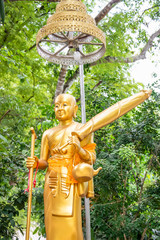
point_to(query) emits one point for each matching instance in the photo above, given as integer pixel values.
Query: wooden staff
(30, 185)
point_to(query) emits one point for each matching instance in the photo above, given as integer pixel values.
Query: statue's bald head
(65, 107)
(65, 96)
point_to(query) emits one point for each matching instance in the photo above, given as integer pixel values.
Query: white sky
(143, 70)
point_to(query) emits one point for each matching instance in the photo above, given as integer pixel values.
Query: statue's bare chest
(58, 136)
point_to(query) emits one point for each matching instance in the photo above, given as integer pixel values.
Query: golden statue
(68, 151)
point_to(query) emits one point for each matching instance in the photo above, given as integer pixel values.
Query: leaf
(12, 223)
(3, 138)
(36, 230)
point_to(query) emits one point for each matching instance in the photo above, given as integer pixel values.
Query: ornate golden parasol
(66, 30)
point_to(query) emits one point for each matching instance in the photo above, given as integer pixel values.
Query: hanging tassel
(27, 189)
(34, 181)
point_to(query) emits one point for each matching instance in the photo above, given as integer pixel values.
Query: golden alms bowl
(84, 172)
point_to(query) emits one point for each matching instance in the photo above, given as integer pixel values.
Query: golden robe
(62, 201)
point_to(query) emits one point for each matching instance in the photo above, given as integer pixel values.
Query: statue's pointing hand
(59, 150)
(74, 140)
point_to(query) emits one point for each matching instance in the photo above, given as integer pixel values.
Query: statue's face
(64, 107)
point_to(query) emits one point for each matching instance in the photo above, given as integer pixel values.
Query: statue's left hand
(74, 140)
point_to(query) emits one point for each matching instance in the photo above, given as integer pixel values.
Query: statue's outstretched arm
(112, 113)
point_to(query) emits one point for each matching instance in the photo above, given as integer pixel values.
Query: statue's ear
(75, 111)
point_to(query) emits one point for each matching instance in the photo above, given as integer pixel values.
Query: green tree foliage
(126, 205)
(127, 199)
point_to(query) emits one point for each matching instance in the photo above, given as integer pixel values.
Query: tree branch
(149, 43)
(144, 232)
(4, 115)
(142, 55)
(97, 85)
(106, 10)
(149, 9)
(61, 79)
(70, 81)
(33, 46)
(29, 99)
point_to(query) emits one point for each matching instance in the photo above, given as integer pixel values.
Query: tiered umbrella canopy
(69, 28)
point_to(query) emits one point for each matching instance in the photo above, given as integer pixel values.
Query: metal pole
(83, 108)
(83, 115)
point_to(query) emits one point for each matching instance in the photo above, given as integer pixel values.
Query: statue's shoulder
(78, 125)
(50, 131)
